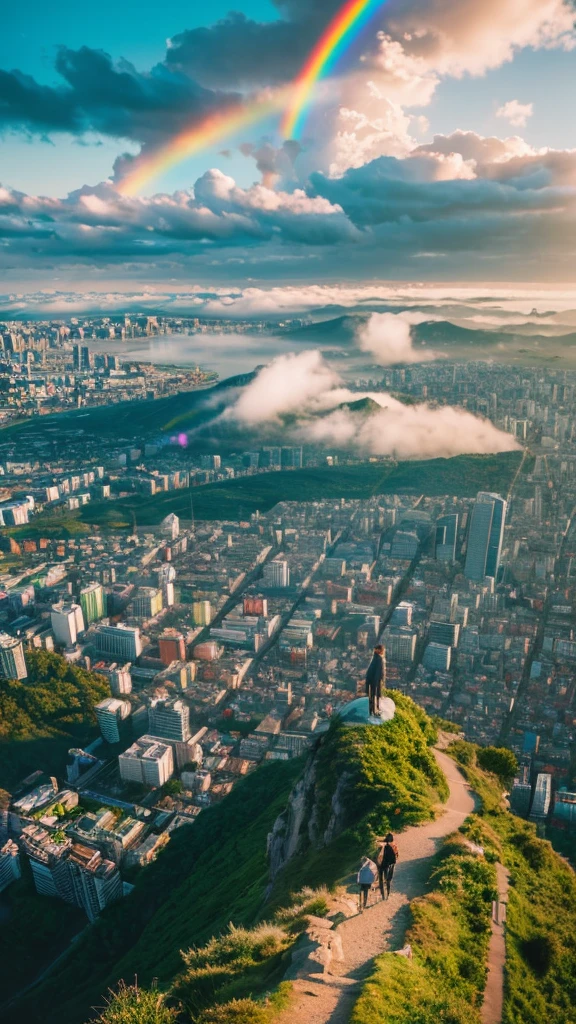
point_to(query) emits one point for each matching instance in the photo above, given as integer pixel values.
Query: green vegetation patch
(385, 777)
(449, 936)
(463, 475)
(541, 916)
(211, 874)
(44, 715)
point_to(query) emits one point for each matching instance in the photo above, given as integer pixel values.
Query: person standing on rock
(366, 878)
(386, 863)
(376, 679)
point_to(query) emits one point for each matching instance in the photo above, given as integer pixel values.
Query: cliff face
(302, 824)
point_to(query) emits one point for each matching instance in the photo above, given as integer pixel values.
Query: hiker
(386, 862)
(375, 677)
(366, 878)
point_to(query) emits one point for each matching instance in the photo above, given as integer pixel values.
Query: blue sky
(385, 183)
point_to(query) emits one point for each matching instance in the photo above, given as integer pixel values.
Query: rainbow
(342, 30)
(207, 132)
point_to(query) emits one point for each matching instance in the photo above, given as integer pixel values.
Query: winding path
(494, 992)
(329, 998)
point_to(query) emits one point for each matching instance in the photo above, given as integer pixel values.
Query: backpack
(390, 854)
(366, 875)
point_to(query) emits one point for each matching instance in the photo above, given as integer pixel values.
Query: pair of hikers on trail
(383, 868)
(375, 678)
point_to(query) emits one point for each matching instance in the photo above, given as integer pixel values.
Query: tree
(499, 761)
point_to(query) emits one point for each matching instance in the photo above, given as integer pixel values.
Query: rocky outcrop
(289, 828)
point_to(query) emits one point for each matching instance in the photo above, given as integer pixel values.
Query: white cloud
(388, 337)
(289, 383)
(306, 387)
(516, 113)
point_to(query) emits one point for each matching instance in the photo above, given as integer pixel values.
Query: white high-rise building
(110, 712)
(12, 659)
(276, 574)
(67, 622)
(485, 536)
(148, 761)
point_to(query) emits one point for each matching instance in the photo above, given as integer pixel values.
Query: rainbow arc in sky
(344, 28)
(295, 100)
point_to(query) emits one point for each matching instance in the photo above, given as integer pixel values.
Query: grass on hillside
(463, 475)
(449, 936)
(386, 777)
(215, 872)
(210, 874)
(541, 917)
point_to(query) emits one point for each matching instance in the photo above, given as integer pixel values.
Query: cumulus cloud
(516, 113)
(305, 387)
(388, 337)
(290, 383)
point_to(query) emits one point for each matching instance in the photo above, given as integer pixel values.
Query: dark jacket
(375, 673)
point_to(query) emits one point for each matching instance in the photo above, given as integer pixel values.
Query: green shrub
(499, 761)
(239, 1011)
(133, 1005)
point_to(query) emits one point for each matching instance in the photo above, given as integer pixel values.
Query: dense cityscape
(221, 643)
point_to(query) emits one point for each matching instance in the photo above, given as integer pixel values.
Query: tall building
(446, 537)
(202, 613)
(276, 574)
(110, 712)
(12, 659)
(447, 633)
(291, 458)
(147, 603)
(120, 679)
(542, 796)
(93, 602)
(437, 657)
(170, 526)
(400, 644)
(67, 622)
(171, 646)
(485, 536)
(9, 864)
(96, 882)
(148, 761)
(170, 719)
(121, 641)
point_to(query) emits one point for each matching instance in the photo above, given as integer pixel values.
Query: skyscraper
(67, 621)
(12, 660)
(446, 536)
(485, 536)
(276, 574)
(171, 646)
(170, 719)
(110, 712)
(93, 602)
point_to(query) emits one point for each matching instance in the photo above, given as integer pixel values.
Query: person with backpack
(375, 679)
(366, 878)
(386, 863)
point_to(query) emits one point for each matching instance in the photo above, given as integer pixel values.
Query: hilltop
(357, 782)
(230, 921)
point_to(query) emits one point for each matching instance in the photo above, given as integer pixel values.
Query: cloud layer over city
(319, 409)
